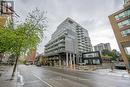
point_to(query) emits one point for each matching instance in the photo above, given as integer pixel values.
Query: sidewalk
(5, 76)
(115, 72)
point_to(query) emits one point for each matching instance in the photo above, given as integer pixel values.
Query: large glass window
(127, 50)
(124, 23)
(96, 61)
(125, 32)
(128, 12)
(123, 14)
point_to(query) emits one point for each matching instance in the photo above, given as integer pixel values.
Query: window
(123, 14)
(128, 12)
(124, 23)
(7, 7)
(71, 22)
(127, 50)
(117, 17)
(125, 32)
(96, 61)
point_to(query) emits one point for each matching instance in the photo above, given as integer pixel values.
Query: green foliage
(110, 54)
(12, 56)
(24, 36)
(106, 56)
(24, 62)
(106, 52)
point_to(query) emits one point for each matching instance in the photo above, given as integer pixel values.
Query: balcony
(55, 48)
(122, 19)
(61, 45)
(125, 27)
(55, 43)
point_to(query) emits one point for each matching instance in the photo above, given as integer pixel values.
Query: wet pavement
(6, 72)
(34, 76)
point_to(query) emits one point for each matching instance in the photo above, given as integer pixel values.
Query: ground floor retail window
(96, 61)
(92, 58)
(92, 61)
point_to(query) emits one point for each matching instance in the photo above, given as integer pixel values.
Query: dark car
(38, 64)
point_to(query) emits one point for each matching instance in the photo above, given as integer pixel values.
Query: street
(44, 76)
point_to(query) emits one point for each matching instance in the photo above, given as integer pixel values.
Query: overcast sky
(90, 14)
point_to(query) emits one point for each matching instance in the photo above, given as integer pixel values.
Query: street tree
(113, 55)
(23, 37)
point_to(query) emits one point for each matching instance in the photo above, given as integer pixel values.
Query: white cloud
(91, 14)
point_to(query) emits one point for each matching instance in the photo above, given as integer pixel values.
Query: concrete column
(70, 61)
(64, 63)
(67, 60)
(74, 60)
(59, 62)
(50, 62)
(54, 63)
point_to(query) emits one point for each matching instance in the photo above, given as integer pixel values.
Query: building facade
(92, 58)
(120, 22)
(102, 46)
(5, 16)
(67, 44)
(30, 58)
(6, 11)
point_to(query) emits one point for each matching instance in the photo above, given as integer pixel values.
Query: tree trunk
(14, 69)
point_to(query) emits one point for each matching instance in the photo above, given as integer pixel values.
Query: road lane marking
(79, 78)
(20, 79)
(42, 80)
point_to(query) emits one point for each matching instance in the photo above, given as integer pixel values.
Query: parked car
(120, 65)
(38, 64)
(27, 63)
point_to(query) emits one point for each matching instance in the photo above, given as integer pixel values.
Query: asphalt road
(34, 76)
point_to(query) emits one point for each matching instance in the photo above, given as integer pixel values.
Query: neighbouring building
(5, 16)
(6, 11)
(102, 46)
(30, 58)
(3, 19)
(120, 22)
(67, 44)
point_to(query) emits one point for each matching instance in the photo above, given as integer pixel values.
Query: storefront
(92, 58)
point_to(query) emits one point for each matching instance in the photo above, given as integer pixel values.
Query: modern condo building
(67, 44)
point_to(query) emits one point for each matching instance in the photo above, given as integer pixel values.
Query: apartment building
(67, 44)
(102, 46)
(120, 22)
